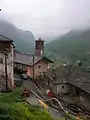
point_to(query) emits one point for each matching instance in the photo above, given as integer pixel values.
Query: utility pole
(33, 66)
(6, 75)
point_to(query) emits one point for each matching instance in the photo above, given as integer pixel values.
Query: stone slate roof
(58, 75)
(81, 79)
(5, 39)
(74, 75)
(28, 60)
(25, 59)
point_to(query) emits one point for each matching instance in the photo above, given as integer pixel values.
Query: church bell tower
(39, 48)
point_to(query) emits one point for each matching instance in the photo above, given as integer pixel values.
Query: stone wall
(85, 98)
(63, 89)
(10, 70)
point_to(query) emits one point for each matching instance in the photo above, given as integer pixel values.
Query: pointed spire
(39, 39)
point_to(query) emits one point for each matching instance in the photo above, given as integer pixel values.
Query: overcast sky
(47, 17)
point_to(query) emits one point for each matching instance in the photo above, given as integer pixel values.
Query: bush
(14, 107)
(20, 111)
(12, 96)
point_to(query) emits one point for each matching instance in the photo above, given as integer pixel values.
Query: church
(34, 65)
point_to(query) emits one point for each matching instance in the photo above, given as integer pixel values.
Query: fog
(47, 17)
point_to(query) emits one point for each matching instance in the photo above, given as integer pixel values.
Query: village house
(25, 63)
(33, 65)
(6, 57)
(71, 81)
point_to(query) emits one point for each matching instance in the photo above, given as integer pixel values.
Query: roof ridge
(6, 38)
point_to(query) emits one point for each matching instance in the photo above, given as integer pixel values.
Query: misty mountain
(74, 44)
(48, 38)
(24, 40)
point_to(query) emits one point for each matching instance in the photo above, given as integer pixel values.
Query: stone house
(7, 45)
(69, 80)
(37, 63)
(56, 80)
(25, 62)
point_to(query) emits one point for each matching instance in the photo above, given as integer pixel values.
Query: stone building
(70, 81)
(37, 64)
(25, 62)
(6, 45)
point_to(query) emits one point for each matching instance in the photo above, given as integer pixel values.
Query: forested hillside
(24, 40)
(75, 45)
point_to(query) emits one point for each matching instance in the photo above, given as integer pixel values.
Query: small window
(19, 65)
(23, 66)
(39, 66)
(1, 60)
(62, 86)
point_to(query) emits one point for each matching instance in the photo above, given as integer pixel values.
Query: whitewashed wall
(63, 89)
